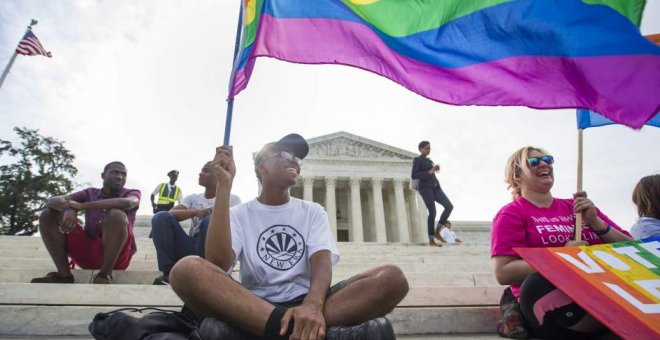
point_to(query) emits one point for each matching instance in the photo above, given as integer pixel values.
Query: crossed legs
(209, 291)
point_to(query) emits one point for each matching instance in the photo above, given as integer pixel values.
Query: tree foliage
(38, 168)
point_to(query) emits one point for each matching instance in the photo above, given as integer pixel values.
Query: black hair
(422, 144)
(113, 163)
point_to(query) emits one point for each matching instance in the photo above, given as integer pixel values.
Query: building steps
(453, 294)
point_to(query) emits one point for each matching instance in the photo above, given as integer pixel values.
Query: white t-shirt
(275, 243)
(198, 201)
(448, 235)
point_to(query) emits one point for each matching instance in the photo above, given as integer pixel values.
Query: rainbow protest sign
(618, 283)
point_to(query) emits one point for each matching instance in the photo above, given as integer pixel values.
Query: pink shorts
(87, 252)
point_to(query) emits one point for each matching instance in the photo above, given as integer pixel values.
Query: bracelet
(71, 209)
(603, 232)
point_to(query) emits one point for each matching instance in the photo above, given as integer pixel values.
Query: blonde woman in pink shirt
(536, 219)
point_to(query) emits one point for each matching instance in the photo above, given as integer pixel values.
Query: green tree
(39, 168)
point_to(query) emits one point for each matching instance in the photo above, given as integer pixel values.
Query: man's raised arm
(218, 238)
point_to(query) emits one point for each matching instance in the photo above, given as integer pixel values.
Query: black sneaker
(162, 280)
(212, 328)
(380, 329)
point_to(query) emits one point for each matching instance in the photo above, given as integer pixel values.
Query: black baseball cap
(293, 141)
(173, 172)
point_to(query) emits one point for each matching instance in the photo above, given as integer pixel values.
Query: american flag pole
(13, 57)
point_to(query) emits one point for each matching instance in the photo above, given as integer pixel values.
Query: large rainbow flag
(617, 283)
(536, 53)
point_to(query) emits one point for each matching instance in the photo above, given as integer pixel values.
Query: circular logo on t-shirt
(281, 247)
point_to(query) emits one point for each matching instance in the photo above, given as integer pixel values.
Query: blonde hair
(647, 196)
(518, 162)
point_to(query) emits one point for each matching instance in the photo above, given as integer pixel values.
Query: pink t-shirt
(94, 217)
(522, 224)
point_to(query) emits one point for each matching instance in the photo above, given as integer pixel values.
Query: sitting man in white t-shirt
(286, 252)
(171, 241)
(448, 234)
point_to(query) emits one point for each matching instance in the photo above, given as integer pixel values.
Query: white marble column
(331, 203)
(308, 193)
(357, 234)
(379, 210)
(404, 232)
(422, 215)
(391, 224)
(417, 234)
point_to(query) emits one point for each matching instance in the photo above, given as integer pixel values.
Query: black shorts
(297, 301)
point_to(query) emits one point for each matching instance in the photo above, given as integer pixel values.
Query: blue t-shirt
(645, 227)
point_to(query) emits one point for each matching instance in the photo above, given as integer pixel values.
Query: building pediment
(342, 145)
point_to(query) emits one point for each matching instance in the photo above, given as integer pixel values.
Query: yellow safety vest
(167, 196)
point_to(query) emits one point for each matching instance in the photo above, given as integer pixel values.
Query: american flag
(30, 45)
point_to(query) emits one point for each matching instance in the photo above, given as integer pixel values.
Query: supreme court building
(364, 187)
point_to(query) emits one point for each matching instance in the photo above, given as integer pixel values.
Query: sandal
(102, 278)
(432, 243)
(53, 277)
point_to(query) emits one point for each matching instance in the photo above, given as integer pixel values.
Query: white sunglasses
(283, 154)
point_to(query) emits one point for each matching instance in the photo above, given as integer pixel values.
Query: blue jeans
(171, 241)
(430, 196)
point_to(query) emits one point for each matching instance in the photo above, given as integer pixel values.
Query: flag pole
(230, 100)
(7, 68)
(13, 57)
(578, 217)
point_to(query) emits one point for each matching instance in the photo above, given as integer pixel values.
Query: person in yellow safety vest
(167, 193)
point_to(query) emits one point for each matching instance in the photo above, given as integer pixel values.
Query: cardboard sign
(617, 283)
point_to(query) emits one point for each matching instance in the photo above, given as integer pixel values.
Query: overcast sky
(145, 82)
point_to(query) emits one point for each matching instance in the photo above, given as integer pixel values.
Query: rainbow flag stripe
(536, 53)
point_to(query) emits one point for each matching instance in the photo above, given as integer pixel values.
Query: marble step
(37, 309)
(144, 221)
(468, 240)
(403, 254)
(21, 249)
(50, 322)
(445, 320)
(148, 250)
(462, 279)
(476, 265)
(345, 257)
(150, 295)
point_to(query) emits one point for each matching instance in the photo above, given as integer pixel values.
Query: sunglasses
(535, 161)
(283, 154)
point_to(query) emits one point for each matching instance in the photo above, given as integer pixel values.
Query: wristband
(604, 231)
(71, 209)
